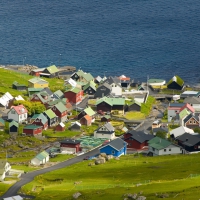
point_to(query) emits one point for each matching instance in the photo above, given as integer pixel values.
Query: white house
(40, 158)
(105, 131)
(159, 146)
(180, 131)
(5, 99)
(4, 168)
(18, 113)
(116, 89)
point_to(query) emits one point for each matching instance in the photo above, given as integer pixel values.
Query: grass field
(134, 115)
(177, 176)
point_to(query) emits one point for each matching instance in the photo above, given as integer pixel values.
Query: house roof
(41, 96)
(20, 109)
(19, 98)
(159, 143)
(18, 84)
(192, 100)
(87, 117)
(176, 79)
(135, 102)
(163, 129)
(153, 80)
(41, 156)
(111, 101)
(50, 113)
(188, 106)
(90, 84)
(188, 94)
(106, 116)
(52, 69)
(76, 122)
(105, 85)
(109, 128)
(40, 116)
(74, 90)
(110, 80)
(13, 123)
(2, 164)
(194, 116)
(6, 98)
(34, 89)
(183, 113)
(98, 78)
(86, 76)
(189, 139)
(180, 130)
(37, 80)
(47, 90)
(32, 127)
(62, 124)
(140, 136)
(60, 106)
(59, 93)
(89, 111)
(70, 141)
(117, 144)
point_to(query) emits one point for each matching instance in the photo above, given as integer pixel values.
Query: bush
(146, 107)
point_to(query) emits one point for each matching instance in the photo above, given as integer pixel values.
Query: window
(194, 122)
(190, 122)
(169, 149)
(12, 112)
(153, 149)
(113, 152)
(164, 150)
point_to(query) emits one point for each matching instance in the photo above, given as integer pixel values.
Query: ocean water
(137, 38)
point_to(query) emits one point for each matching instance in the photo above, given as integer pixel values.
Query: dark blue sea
(158, 38)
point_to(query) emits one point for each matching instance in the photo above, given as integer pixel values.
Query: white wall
(166, 151)
(108, 136)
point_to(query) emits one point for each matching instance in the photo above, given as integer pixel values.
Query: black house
(18, 86)
(103, 90)
(134, 106)
(176, 83)
(13, 128)
(75, 126)
(189, 142)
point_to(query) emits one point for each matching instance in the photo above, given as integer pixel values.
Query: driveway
(26, 178)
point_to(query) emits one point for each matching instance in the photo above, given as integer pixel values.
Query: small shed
(40, 158)
(60, 127)
(32, 130)
(13, 128)
(2, 124)
(75, 126)
(134, 106)
(18, 86)
(86, 120)
(70, 146)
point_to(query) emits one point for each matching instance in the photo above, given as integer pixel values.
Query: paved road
(26, 178)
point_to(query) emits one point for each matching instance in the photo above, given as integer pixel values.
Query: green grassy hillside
(177, 177)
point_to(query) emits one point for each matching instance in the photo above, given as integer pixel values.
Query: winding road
(26, 178)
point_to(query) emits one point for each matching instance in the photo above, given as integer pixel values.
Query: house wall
(73, 97)
(111, 151)
(194, 148)
(36, 162)
(102, 91)
(13, 129)
(59, 128)
(174, 86)
(39, 123)
(172, 113)
(134, 107)
(16, 117)
(62, 117)
(104, 135)
(116, 90)
(32, 132)
(89, 91)
(104, 107)
(120, 108)
(37, 85)
(83, 121)
(134, 144)
(167, 151)
(73, 148)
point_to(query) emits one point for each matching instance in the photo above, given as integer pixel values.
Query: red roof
(20, 109)
(188, 106)
(87, 117)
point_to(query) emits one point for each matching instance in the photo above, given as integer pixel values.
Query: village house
(74, 95)
(13, 128)
(86, 111)
(194, 102)
(156, 124)
(86, 120)
(61, 111)
(98, 80)
(105, 131)
(110, 105)
(156, 82)
(103, 90)
(189, 142)
(40, 120)
(137, 140)
(89, 88)
(18, 86)
(36, 72)
(81, 76)
(186, 94)
(48, 91)
(70, 146)
(134, 106)
(37, 83)
(60, 127)
(18, 113)
(32, 91)
(51, 117)
(180, 131)
(116, 147)
(50, 72)
(4, 169)
(191, 121)
(125, 81)
(32, 130)
(40, 159)
(176, 83)
(75, 126)
(41, 97)
(5, 100)
(159, 146)
(58, 94)
(173, 111)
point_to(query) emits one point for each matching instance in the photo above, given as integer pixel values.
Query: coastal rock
(76, 195)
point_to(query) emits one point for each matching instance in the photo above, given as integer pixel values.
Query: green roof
(87, 76)
(135, 102)
(184, 113)
(17, 84)
(111, 101)
(40, 96)
(59, 93)
(31, 126)
(52, 69)
(107, 116)
(89, 111)
(50, 113)
(2, 121)
(35, 116)
(37, 80)
(42, 155)
(155, 80)
(60, 106)
(158, 143)
(13, 123)
(40, 116)
(34, 89)
(177, 79)
(90, 84)
(74, 90)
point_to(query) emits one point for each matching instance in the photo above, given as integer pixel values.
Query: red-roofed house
(188, 107)
(86, 120)
(74, 95)
(18, 113)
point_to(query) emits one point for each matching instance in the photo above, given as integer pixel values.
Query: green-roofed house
(134, 106)
(58, 94)
(32, 91)
(51, 117)
(2, 124)
(90, 88)
(41, 97)
(40, 120)
(81, 76)
(158, 146)
(32, 130)
(40, 159)
(156, 82)
(61, 111)
(50, 72)
(176, 83)
(13, 128)
(86, 111)
(18, 86)
(37, 82)
(184, 113)
(107, 104)
(74, 95)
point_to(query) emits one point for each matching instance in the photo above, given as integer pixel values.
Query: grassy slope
(164, 174)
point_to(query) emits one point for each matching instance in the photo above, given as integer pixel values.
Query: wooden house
(81, 76)
(40, 159)
(60, 127)
(41, 97)
(106, 118)
(18, 86)
(70, 146)
(125, 81)
(58, 94)
(191, 121)
(5, 167)
(86, 111)
(40, 120)
(32, 91)
(75, 126)
(176, 83)
(134, 106)
(180, 131)
(89, 88)
(86, 120)
(61, 111)
(74, 95)
(32, 130)
(13, 128)
(50, 72)
(36, 72)
(51, 117)
(37, 83)
(116, 147)
(103, 90)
